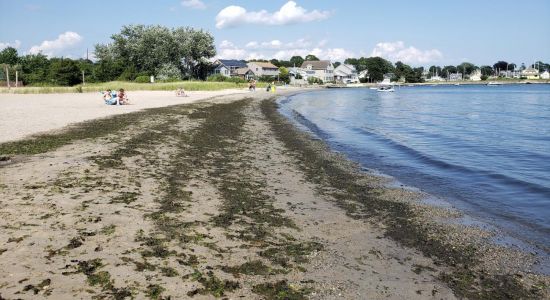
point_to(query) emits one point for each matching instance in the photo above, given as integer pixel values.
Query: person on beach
(180, 92)
(122, 97)
(268, 88)
(110, 98)
(273, 87)
(254, 85)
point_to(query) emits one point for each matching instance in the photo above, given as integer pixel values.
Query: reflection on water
(484, 149)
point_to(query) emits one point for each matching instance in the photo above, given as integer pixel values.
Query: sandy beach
(220, 198)
(22, 115)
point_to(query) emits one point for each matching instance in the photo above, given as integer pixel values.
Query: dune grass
(129, 86)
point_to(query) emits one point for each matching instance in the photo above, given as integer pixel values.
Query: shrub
(168, 71)
(142, 79)
(484, 77)
(314, 80)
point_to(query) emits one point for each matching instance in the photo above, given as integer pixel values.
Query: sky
(419, 33)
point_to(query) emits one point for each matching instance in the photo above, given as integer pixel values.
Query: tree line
(139, 51)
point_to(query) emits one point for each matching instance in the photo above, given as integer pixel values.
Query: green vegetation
(129, 87)
(280, 290)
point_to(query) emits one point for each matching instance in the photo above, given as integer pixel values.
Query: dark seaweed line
(322, 168)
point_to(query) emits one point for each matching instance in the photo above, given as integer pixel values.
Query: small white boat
(493, 83)
(373, 88)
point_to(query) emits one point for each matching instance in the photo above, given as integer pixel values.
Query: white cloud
(195, 4)
(397, 51)
(64, 41)
(16, 44)
(290, 13)
(280, 50)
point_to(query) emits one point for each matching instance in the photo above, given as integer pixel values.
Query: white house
(263, 68)
(322, 69)
(476, 75)
(530, 73)
(346, 74)
(545, 75)
(455, 77)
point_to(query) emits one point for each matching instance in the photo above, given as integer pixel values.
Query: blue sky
(416, 32)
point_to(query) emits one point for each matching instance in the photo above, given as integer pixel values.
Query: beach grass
(128, 86)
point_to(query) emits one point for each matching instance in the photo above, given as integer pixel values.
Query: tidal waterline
(485, 150)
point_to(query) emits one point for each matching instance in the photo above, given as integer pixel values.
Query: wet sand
(224, 198)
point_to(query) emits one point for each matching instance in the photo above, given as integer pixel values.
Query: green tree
(500, 66)
(9, 56)
(434, 71)
(377, 67)
(284, 75)
(486, 70)
(336, 64)
(34, 68)
(296, 61)
(311, 57)
(147, 48)
(466, 68)
(64, 72)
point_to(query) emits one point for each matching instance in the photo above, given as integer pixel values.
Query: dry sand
(22, 115)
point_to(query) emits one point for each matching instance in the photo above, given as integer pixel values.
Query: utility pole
(16, 78)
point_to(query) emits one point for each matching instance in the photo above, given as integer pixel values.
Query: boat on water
(494, 83)
(385, 88)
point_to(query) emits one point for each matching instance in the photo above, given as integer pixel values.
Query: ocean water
(482, 149)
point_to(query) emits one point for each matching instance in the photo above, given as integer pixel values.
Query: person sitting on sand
(180, 92)
(110, 98)
(122, 98)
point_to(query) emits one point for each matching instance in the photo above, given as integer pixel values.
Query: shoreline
(225, 197)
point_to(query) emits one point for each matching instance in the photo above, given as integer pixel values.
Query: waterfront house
(321, 69)
(227, 67)
(545, 75)
(455, 77)
(476, 75)
(345, 73)
(246, 74)
(263, 68)
(530, 73)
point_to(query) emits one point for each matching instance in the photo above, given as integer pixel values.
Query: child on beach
(110, 98)
(122, 98)
(180, 92)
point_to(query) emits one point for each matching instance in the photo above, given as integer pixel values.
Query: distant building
(245, 73)
(435, 78)
(530, 73)
(322, 69)
(227, 67)
(263, 68)
(545, 75)
(476, 75)
(455, 77)
(346, 74)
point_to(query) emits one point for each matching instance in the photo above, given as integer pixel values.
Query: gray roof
(233, 63)
(316, 64)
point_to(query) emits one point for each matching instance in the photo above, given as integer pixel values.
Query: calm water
(485, 150)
